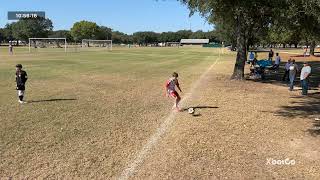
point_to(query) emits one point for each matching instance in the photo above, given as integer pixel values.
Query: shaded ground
(300, 106)
(276, 77)
(236, 140)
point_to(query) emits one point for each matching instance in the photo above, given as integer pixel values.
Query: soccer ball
(190, 110)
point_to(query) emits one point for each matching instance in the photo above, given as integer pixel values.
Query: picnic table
(259, 68)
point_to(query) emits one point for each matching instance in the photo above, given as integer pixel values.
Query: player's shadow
(52, 100)
(197, 114)
(200, 107)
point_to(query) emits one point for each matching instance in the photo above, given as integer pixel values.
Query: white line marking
(291, 53)
(164, 127)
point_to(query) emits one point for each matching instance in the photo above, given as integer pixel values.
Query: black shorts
(21, 87)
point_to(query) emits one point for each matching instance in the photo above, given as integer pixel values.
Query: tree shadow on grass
(315, 131)
(273, 77)
(52, 100)
(200, 107)
(306, 107)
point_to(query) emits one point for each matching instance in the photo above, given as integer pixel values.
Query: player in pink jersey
(170, 89)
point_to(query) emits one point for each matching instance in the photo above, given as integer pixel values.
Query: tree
(145, 37)
(212, 36)
(1, 35)
(168, 37)
(119, 37)
(61, 34)
(7, 32)
(183, 34)
(225, 33)
(198, 35)
(31, 28)
(305, 16)
(85, 30)
(104, 33)
(245, 19)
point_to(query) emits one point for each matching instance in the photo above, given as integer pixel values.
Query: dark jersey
(21, 79)
(271, 53)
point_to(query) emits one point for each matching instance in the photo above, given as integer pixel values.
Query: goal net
(48, 45)
(90, 44)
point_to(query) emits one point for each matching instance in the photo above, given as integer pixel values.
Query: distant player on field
(21, 79)
(10, 49)
(170, 89)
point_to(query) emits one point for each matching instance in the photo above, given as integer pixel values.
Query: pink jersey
(171, 84)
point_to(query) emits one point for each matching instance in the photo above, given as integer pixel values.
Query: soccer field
(88, 112)
(103, 115)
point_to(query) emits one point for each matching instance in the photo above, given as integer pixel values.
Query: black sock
(21, 98)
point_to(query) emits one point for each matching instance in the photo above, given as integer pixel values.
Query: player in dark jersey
(21, 79)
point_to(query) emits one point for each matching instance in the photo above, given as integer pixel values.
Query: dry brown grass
(235, 140)
(99, 119)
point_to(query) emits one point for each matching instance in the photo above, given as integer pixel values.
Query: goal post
(48, 43)
(92, 43)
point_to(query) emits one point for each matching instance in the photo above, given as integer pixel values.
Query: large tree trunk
(238, 72)
(312, 47)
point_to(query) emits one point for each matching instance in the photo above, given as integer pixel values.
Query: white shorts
(20, 92)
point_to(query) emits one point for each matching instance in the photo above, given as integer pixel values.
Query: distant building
(199, 42)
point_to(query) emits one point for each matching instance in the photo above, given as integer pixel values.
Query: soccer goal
(47, 44)
(91, 44)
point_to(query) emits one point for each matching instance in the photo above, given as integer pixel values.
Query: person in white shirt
(277, 62)
(293, 71)
(304, 78)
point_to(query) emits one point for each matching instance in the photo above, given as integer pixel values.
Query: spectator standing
(10, 48)
(305, 52)
(293, 70)
(271, 54)
(287, 69)
(304, 78)
(251, 57)
(277, 63)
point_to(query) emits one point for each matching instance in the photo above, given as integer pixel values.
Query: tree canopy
(61, 34)
(241, 24)
(30, 28)
(251, 22)
(85, 30)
